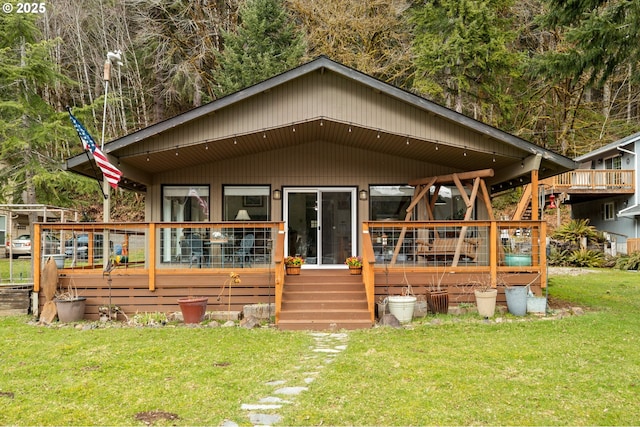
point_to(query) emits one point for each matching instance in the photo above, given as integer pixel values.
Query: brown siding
(132, 295)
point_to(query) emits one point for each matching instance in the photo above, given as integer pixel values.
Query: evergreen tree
(266, 43)
(602, 35)
(32, 134)
(462, 54)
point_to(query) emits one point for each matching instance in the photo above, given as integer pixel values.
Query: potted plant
(402, 306)
(485, 295)
(69, 305)
(193, 308)
(355, 264)
(438, 296)
(292, 264)
(517, 251)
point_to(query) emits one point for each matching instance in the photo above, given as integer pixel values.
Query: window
(3, 229)
(246, 203)
(609, 211)
(182, 203)
(390, 202)
(613, 163)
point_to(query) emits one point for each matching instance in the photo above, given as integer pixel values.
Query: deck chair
(192, 250)
(243, 254)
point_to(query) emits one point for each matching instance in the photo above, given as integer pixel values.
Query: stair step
(323, 287)
(324, 300)
(325, 305)
(323, 325)
(324, 315)
(334, 296)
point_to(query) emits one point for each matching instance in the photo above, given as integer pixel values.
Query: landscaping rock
(260, 311)
(250, 322)
(390, 320)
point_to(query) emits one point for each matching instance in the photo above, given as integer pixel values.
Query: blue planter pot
(517, 299)
(517, 260)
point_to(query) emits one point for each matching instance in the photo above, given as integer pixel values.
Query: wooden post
(151, 257)
(494, 244)
(35, 246)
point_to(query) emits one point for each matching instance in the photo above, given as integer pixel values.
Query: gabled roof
(611, 148)
(548, 162)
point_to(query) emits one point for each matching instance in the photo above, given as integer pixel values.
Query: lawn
(578, 370)
(21, 270)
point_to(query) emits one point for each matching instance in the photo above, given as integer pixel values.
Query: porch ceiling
(139, 167)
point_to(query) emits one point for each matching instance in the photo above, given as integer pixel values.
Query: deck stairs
(324, 300)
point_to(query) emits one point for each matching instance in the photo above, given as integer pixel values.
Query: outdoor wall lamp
(277, 194)
(363, 195)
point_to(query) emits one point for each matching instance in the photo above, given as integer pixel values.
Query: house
(605, 190)
(324, 162)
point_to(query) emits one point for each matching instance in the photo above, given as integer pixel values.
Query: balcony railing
(162, 248)
(595, 180)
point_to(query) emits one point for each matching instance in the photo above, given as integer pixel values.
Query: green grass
(21, 270)
(579, 370)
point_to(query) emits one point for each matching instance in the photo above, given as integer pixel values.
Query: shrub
(586, 258)
(629, 262)
(575, 230)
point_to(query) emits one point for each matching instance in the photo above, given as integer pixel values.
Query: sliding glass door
(321, 224)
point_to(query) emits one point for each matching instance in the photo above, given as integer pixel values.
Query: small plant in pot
(293, 264)
(69, 305)
(438, 296)
(402, 306)
(485, 295)
(355, 264)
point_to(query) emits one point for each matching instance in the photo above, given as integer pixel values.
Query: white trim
(318, 191)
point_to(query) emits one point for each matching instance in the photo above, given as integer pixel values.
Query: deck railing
(595, 179)
(162, 248)
(492, 248)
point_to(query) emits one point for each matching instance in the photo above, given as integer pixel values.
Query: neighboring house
(605, 189)
(322, 157)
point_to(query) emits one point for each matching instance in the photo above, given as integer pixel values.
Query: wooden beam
(535, 213)
(447, 179)
(523, 203)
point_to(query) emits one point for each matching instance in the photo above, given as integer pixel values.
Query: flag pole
(111, 56)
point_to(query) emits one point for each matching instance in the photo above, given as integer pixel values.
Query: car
(21, 245)
(81, 244)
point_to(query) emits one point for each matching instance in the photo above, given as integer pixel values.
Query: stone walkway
(264, 412)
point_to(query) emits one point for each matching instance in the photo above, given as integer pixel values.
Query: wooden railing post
(151, 256)
(278, 259)
(368, 273)
(493, 253)
(35, 247)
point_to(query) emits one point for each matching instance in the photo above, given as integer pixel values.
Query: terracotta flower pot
(193, 309)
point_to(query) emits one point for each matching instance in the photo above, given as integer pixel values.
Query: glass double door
(321, 224)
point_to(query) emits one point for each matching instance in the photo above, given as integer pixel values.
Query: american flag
(110, 172)
(203, 204)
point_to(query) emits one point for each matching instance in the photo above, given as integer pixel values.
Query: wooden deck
(594, 181)
(152, 277)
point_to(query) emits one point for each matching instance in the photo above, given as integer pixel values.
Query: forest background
(561, 74)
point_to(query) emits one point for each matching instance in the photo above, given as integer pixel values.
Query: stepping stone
(309, 380)
(258, 406)
(291, 390)
(273, 399)
(326, 350)
(277, 382)
(264, 419)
